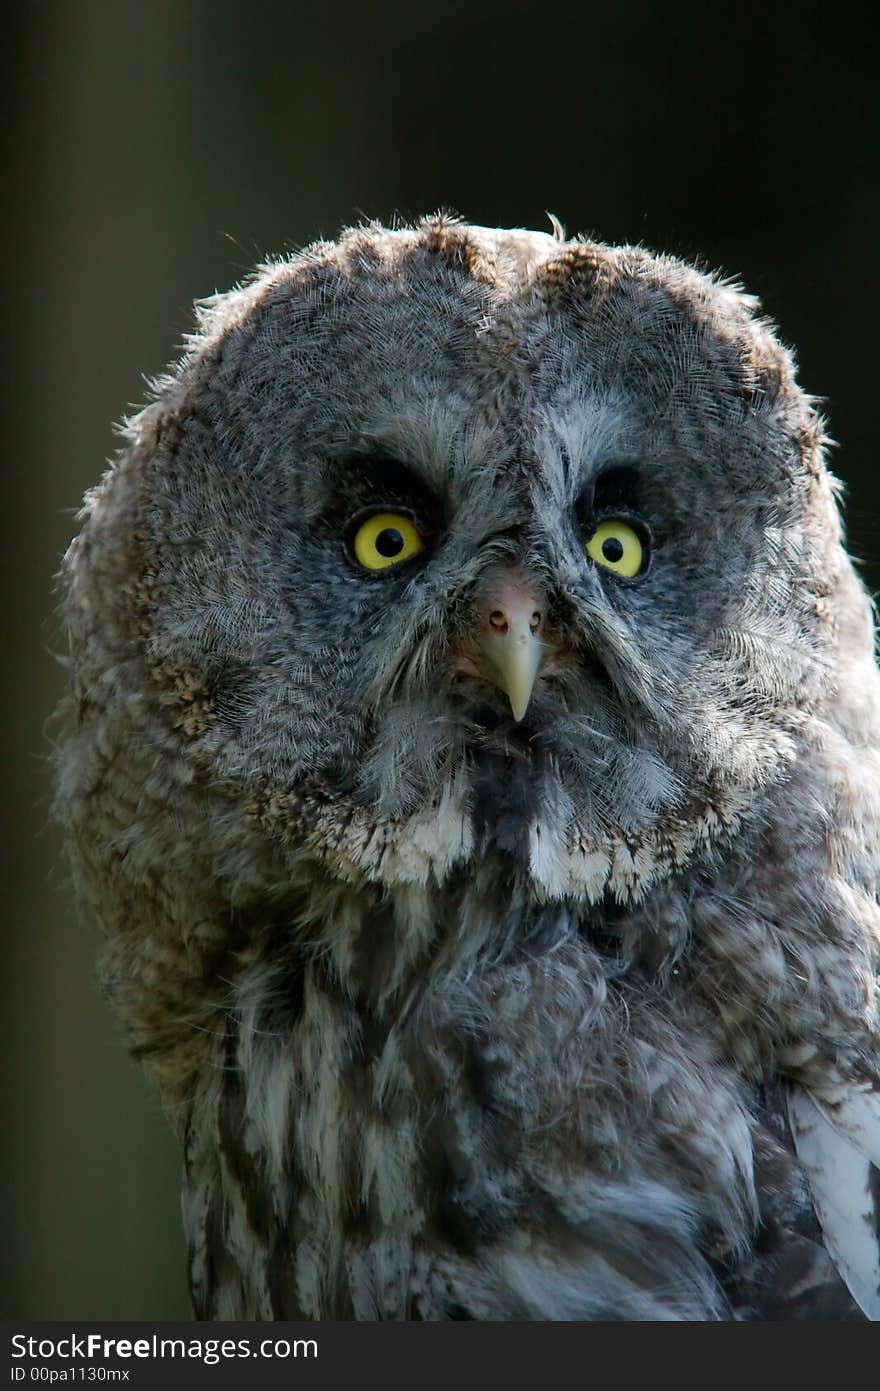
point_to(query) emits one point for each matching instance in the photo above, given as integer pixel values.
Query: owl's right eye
(385, 539)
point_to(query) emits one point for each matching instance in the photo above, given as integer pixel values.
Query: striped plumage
(480, 985)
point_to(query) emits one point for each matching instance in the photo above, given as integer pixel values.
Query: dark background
(154, 150)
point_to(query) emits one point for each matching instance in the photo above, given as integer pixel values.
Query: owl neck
(387, 946)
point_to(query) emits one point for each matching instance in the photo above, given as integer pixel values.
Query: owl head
(448, 542)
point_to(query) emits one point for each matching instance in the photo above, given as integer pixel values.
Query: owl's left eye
(386, 539)
(616, 545)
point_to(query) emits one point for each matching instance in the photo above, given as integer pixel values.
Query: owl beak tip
(512, 664)
(519, 708)
(518, 689)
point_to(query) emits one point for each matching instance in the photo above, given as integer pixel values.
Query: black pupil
(389, 542)
(612, 549)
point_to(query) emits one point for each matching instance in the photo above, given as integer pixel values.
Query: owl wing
(838, 1144)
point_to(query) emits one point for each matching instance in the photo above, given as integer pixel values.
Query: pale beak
(508, 646)
(510, 657)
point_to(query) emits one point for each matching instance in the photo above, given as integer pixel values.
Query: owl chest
(349, 1168)
(363, 1167)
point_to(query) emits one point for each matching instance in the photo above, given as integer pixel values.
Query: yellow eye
(617, 546)
(386, 539)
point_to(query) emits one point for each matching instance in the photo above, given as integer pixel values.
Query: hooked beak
(509, 653)
(508, 646)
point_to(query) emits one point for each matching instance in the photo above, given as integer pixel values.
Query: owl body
(473, 759)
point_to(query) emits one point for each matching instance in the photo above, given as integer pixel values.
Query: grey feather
(845, 1186)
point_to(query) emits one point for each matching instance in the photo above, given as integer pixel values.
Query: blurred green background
(153, 152)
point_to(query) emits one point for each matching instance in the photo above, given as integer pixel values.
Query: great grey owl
(472, 758)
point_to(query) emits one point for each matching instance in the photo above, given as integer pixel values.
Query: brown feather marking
(579, 274)
(450, 241)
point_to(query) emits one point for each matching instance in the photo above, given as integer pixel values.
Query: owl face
(452, 542)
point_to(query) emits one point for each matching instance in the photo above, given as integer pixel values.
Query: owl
(472, 756)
